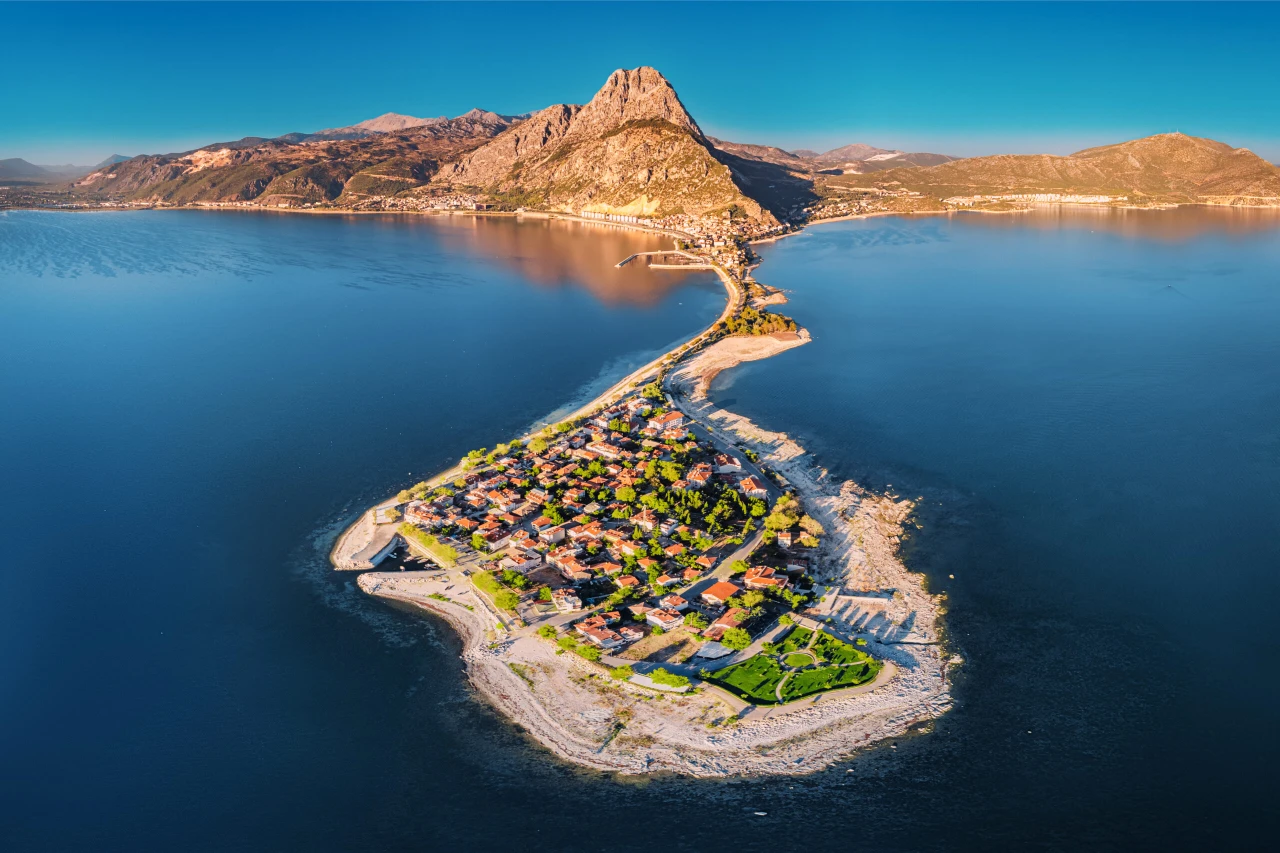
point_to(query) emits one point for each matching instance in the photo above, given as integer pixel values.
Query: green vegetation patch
(755, 679)
(796, 640)
(832, 650)
(798, 659)
(812, 681)
(444, 553)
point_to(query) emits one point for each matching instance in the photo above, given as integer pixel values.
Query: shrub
(590, 653)
(621, 673)
(547, 632)
(669, 679)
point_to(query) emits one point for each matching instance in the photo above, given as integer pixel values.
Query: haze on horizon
(958, 79)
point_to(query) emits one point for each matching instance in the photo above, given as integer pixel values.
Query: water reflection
(1174, 225)
(557, 253)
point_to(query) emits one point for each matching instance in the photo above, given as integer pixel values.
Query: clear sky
(85, 81)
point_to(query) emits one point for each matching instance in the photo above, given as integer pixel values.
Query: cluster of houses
(556, 510)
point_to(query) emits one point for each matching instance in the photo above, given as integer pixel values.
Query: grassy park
(817, 662)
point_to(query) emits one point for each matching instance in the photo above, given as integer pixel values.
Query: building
(752, 488)
(764, 578)
(667, 421)
(719, 593)
(667, 620)
(726, 464)
(566, 600)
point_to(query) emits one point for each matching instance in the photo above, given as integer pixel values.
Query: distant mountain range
(635, 149)
(18, 170)
(1169, 167)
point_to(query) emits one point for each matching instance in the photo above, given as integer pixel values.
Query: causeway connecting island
(658, 584)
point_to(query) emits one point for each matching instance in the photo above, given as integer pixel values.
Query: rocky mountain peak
(392, 122)
(635, 94)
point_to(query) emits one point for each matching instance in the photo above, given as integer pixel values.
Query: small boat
(761, 814)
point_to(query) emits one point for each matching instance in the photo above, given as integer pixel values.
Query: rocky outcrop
(633, 148)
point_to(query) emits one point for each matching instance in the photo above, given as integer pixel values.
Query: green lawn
(812, 681)
(831, 650)
(755, 679)
(796, 640)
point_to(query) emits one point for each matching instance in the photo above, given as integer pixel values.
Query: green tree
(695, 620)
(506, 599)
(404, 496)
(544, 594)
(538, 446)
(478, 542)
(547, 632)
(811, 525)
(736, 639)
(752, 598)
(622, 673)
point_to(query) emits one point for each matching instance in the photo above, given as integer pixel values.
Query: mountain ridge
(1167, 167)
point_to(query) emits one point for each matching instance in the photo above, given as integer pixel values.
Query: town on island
(654, 583)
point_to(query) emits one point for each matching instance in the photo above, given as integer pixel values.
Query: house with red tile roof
(752, 488)
(667, 620)
(719, 593)
(674, 602)
(764, 577)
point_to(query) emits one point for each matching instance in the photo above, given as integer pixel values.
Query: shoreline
(569, 706)
(573, 709)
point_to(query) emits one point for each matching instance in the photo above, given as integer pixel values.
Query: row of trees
(755, 321)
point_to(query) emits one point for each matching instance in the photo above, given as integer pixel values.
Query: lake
(195, 403)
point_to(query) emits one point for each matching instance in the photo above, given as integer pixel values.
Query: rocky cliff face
(633, 148)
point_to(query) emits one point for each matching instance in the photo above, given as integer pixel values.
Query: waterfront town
(633, 536)
(655, 583)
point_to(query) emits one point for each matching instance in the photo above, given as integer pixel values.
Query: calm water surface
(194, 402)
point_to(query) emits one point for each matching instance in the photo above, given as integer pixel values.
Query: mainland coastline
(863, 594)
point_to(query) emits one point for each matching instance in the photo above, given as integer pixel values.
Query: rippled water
(195, 403)
(1089, 406)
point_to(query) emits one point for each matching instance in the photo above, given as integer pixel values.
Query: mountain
(391, 122)
(298, 169)
(632, 149)
(16, 169)
(1169, 167)
(110, 161)
(859, 158)
(763, 153)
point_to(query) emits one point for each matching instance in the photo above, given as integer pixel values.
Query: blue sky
(87, 80)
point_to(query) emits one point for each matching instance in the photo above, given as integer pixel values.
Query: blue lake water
(192, 403)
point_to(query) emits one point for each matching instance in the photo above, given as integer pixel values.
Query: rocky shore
(575, 709)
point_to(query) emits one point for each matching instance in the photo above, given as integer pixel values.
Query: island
(657, 584)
